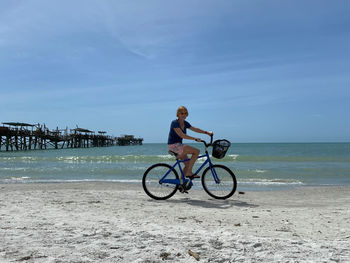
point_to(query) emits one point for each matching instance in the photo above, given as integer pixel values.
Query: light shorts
(176, 148)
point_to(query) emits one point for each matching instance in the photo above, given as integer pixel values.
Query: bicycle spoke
(152, 185)
(220, 185)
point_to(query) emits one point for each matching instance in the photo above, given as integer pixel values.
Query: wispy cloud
(218, 57)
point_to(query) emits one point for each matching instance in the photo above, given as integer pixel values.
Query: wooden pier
(129, 140)
(17, 136)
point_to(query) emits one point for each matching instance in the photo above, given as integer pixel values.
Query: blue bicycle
(161, 180)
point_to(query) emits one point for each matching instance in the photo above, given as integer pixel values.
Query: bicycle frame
(182, 179)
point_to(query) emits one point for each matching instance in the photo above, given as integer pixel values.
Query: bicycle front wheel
(151, 181)
(219, 182)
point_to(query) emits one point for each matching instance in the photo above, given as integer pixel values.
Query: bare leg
(185, 170)
(189, 164)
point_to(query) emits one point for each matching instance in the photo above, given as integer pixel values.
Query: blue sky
(251, 71)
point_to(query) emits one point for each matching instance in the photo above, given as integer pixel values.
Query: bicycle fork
(215, 175)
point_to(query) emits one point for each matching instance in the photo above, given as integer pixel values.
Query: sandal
(193, 176)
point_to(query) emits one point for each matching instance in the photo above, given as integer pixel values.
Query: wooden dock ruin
(129, 140)
(17, 136)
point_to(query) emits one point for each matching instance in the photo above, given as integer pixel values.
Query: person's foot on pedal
(183, 190)
(192, 176)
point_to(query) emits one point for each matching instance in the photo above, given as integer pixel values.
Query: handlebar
(208, 144)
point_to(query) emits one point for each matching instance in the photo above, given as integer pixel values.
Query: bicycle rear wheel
(226, 185)
(151, 181)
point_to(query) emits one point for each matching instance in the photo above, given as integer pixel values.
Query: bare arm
(185, 136)
(192, 128)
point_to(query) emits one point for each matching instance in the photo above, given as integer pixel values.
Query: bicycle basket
(220, 148)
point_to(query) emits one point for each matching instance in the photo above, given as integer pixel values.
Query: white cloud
(142, 27)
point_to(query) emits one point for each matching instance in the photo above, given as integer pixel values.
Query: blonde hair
(181, 109)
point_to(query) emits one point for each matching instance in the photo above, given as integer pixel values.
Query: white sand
(100, 222)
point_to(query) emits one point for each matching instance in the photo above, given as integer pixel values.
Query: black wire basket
(220, 148)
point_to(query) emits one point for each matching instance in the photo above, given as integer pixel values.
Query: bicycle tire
(151, 185)
(227, 185)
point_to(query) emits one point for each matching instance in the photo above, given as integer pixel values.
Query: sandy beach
(110, 222)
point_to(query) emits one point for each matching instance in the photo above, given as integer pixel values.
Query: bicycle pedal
(183, 190)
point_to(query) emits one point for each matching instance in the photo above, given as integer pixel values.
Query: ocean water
(257, 166)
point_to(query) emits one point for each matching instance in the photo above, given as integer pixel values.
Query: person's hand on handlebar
(210, 133)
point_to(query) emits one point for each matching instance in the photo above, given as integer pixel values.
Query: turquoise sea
(257, 166)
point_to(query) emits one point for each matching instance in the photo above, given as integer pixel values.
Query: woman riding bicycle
(161, 180)
(177, 132)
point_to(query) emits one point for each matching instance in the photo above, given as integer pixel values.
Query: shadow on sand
(210, 203)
